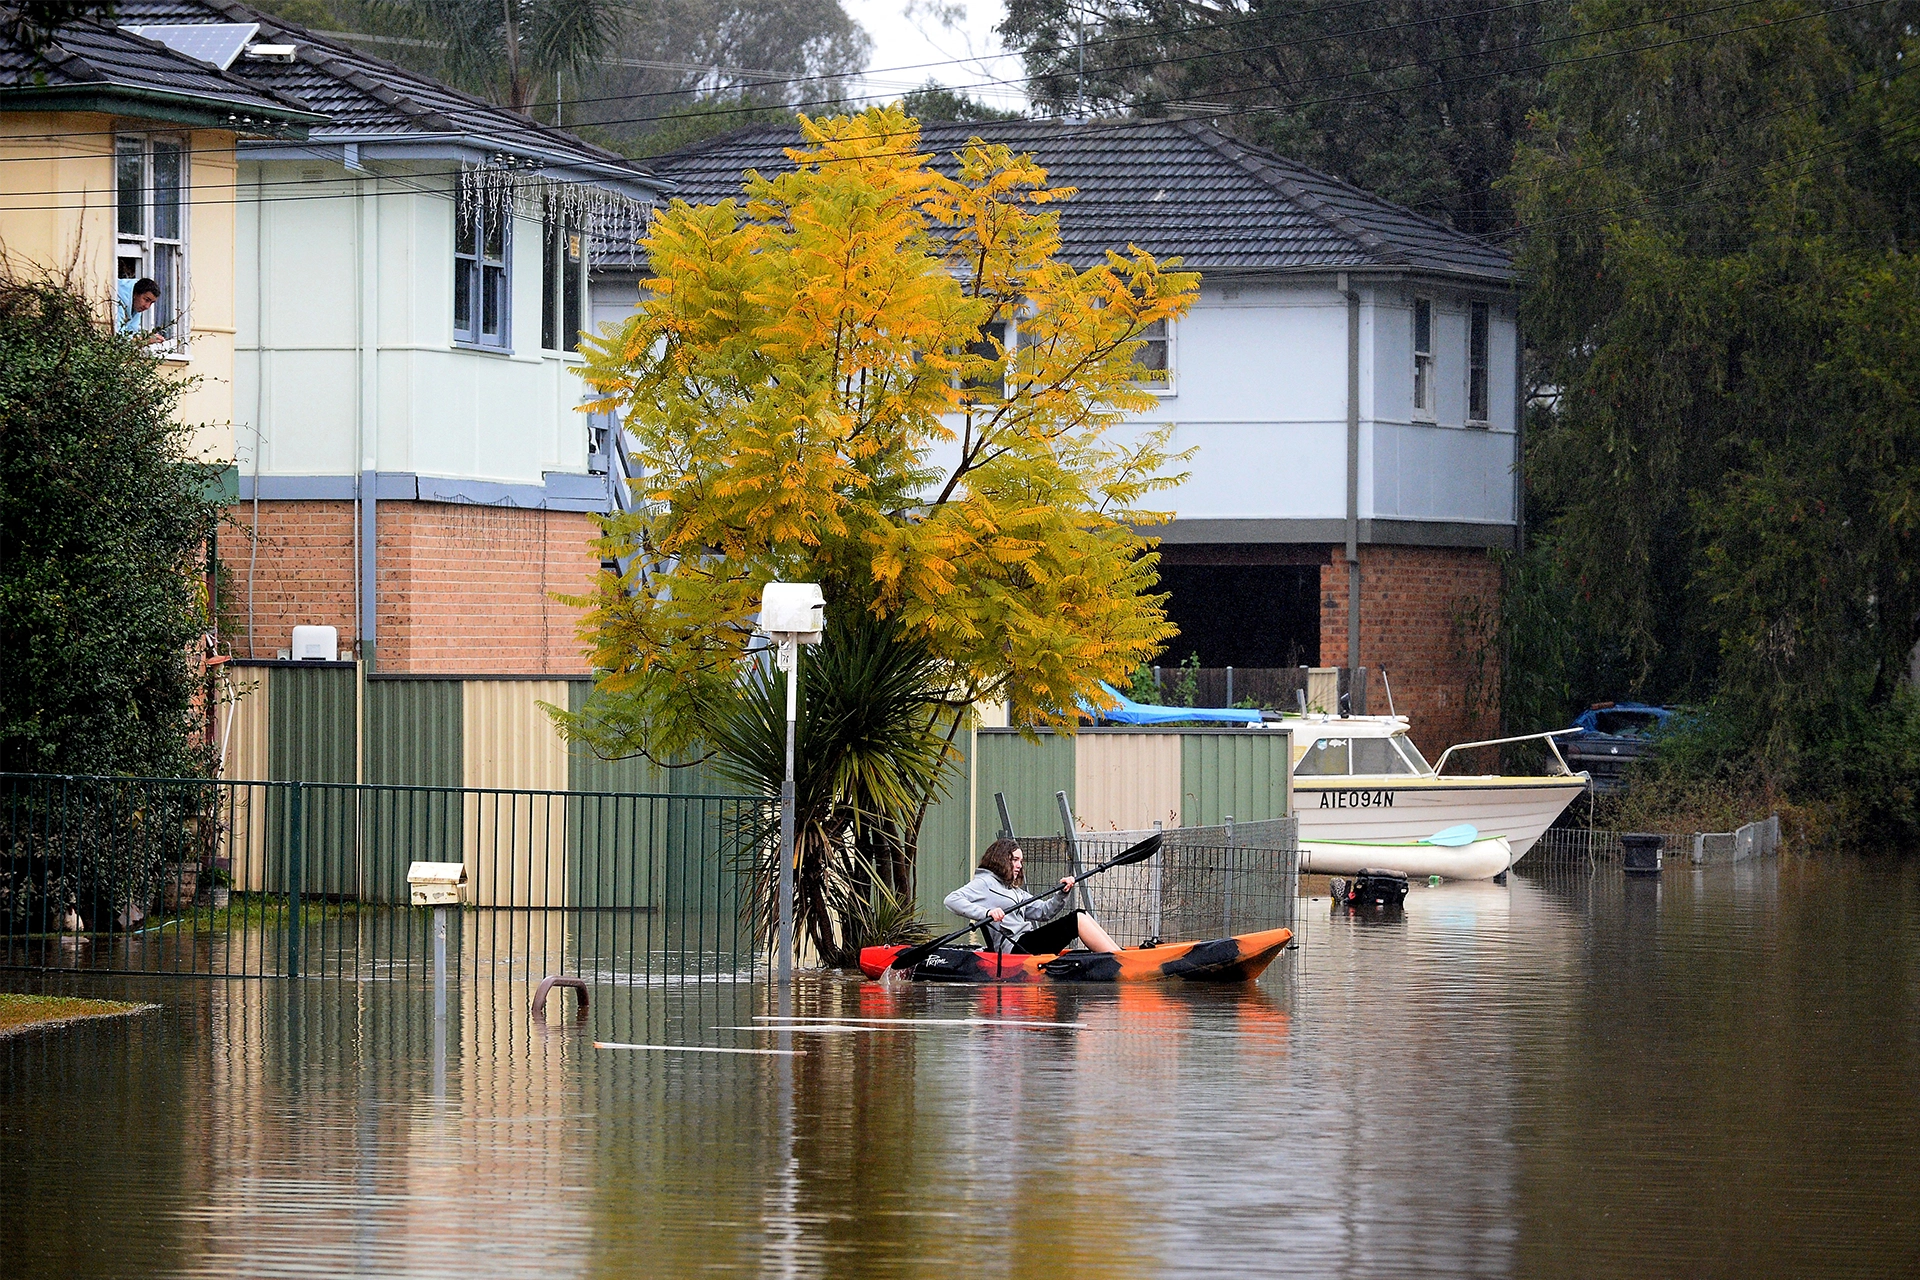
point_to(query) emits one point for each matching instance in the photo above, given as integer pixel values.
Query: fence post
(296, 874)
(1232, 866)
(1153, 888)
(1006, 822)
(1073, 849)
(1229, 688)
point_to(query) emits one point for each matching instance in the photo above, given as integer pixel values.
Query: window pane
(1416, 763)
(493, 283)
(1324, 758)
(1422, 382)
(494, 229)
(549, 285)
(167, 274)
(462, 299)
(127, 178)
(991, 345)
(1376, 756)
(1477, 394)
(1477, 334)
(463, 224)
(1151, 360)
(572, 280)
(1422, 325)
(1477, 362)
(166, 190)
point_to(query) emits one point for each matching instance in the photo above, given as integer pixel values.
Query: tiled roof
(1172, 187)
(363, 96)
(90, 55)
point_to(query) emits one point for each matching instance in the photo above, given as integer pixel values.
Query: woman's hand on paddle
(1066, 884)
(996, 915)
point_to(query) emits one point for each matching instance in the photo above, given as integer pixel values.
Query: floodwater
(1714, 1074)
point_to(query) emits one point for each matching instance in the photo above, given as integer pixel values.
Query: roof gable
(1173, 187)
(365, 97)
(121, 70)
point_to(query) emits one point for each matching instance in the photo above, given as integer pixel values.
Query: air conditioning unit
(316, 644)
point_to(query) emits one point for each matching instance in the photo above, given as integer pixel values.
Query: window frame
(473, 265)
(559, 237)
(1479, 364)
(146, 247)
(1169, 339)
(1425, 402)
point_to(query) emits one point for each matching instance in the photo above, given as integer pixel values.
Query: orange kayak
(1237, 959)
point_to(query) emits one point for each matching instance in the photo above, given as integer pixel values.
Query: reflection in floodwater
(1570, 1073)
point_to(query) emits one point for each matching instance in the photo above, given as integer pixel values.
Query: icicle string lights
(509, 185)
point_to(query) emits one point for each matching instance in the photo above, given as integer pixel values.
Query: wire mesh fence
(1206, 882)
(306, 880)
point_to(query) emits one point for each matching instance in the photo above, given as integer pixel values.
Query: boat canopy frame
(1548, 736)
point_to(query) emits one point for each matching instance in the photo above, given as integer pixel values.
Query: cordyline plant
(819, 389)
(884, 379)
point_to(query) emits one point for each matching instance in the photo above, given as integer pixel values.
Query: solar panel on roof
(215, 43)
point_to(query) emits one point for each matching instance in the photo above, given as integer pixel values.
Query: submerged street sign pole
(792, 614)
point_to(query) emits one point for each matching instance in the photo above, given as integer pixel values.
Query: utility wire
(1115, 127)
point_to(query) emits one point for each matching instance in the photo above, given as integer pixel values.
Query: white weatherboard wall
(313, 240)
(1260, 391)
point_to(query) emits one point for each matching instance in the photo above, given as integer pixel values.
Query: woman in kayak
(1017, 921)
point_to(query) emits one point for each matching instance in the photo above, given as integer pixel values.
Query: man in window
(136, 298)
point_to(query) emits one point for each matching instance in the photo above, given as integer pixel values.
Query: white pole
(790, 659)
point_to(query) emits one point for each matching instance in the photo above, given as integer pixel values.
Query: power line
(1115, 127)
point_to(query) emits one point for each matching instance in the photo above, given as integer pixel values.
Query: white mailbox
(793, 611)
(438, 884)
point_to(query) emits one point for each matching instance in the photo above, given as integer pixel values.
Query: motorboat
(1361, 779)
(1480, 858)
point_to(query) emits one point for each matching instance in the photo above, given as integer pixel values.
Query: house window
(480, 246)
(150, 200)
(1153, 362)
(1477, 362)
(1423, 357)
(995, 341)
(563, 284)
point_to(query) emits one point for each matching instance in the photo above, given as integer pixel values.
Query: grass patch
(22, 1013)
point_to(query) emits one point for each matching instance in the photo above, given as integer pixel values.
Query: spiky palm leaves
(871, 746)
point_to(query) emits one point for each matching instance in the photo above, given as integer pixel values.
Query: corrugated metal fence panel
(412, 737)
(247, 732)
(312, 737)
(946, 854)
(606, 834)
(1030, 773)
(1128, 781)
(515, 845)
(1244, 775)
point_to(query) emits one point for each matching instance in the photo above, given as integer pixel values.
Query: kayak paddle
(1138, 853)
(1454, 837)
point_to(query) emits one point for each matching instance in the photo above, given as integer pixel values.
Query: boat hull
(1483, 859)
(1406, 809)
(1238, 959)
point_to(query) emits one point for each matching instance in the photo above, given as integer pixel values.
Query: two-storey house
(1348, 379)
(410, 280)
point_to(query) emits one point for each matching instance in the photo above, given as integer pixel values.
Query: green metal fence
(309, 880)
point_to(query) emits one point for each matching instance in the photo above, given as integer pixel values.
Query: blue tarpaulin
(1131, 712)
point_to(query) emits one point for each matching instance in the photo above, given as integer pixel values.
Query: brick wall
(1426, 615)
(462, 589)
(298, 572)
(470, 588)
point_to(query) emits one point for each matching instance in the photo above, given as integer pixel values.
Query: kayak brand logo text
(1356, 799)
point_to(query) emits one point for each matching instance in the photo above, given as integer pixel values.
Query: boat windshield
(1412, 753)
(1378, 757)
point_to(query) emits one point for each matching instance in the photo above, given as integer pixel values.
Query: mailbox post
(792, 614)
(442, 886)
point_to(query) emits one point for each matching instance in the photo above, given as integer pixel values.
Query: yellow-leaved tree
(872, 375)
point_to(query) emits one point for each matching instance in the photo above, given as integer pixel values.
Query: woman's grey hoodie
(974, 899)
